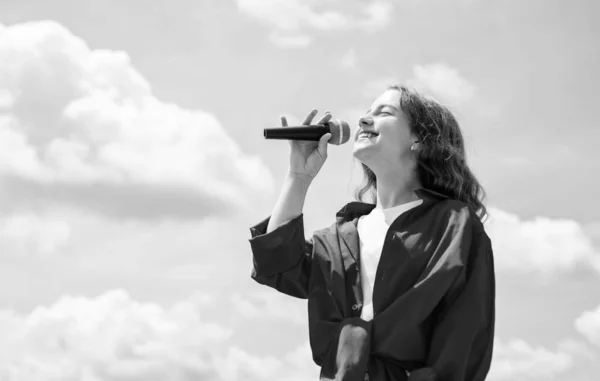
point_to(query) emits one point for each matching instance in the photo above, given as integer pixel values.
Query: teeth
(367, 134)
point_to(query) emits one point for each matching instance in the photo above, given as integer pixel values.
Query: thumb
(323, 144)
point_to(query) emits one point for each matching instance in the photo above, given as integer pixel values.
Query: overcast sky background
(132, 164)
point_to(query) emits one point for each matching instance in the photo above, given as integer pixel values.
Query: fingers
(325, 118)
(284, 122)
(323, 145)
(310, 117)
(323, 142)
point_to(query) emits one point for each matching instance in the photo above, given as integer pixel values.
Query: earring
(413, 147)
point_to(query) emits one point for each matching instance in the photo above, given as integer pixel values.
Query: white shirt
(372, 229)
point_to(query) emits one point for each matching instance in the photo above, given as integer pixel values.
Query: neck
(395, 189)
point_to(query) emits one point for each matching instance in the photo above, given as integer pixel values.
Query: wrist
(299, 178)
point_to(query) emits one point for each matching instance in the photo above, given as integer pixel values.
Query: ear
(415, 146)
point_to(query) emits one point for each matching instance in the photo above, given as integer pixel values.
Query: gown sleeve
(285, 260)
(282, 257)
(463, 333)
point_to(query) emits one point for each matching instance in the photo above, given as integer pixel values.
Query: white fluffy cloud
(82, 126)
(541, 245)
(443, 82)
(112, 337)
(292, 19)
(297, 365)
(518, 360)
(378, 15)
(270, 305)
(588, 324)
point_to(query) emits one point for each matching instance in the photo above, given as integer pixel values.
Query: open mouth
(367, 135)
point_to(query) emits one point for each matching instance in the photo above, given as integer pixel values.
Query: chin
(362, 144)
(362, 153)
(357, 151)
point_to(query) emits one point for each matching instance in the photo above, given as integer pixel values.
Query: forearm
(291, 200)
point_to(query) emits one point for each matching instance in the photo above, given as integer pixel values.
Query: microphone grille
(340, 131)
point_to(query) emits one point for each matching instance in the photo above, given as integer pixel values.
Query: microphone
(339, 130)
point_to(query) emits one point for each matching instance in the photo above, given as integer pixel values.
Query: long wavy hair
(441, 157)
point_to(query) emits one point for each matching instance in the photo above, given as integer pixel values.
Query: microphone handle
(309, 133)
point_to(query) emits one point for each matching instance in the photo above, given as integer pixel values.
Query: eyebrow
(382, 106)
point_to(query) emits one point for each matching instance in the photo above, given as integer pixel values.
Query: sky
(132, 165)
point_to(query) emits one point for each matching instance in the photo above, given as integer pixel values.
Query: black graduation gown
(433, 298)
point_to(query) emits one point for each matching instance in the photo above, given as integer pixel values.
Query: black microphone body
(311, 132)
(339, 130)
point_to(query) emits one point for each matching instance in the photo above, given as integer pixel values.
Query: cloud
(516, 359)
(578, 349)
(270, 305)
(112, 337)
(82, 127)
(443, 82)
(593, 231)
(588, 324)
(379, 14)
(6, 99)
(295, 17)
(298, 365)
(30, 234)
(542, 245)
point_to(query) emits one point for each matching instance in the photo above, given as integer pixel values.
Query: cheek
(405, 139)
(397, 135)
(398, 143)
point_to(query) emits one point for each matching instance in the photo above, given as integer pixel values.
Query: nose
(365, 121)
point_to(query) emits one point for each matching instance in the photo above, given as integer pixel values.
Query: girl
(402, 288)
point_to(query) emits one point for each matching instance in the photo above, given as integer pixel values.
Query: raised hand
(307, 157)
